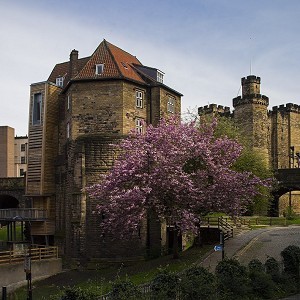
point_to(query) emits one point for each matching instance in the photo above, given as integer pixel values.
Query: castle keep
(273, 133)
(85, 106)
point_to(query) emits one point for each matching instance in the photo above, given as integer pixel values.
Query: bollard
(4, 293)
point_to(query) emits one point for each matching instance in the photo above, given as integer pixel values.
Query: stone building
(86, 105)
(13, 153)
(274, 133)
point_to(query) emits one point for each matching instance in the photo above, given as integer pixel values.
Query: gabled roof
(118, 64)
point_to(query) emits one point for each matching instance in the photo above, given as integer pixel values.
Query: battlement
(289, 107)
(214, 109)
(250, 79)
(251, 99)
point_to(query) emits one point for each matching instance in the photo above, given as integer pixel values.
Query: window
(22, 173)
(68, 130)
(68, 102)
(99, 69)
(37, 109)
(60, 81)
(139, 125)
(139, 99)
(171, 105)
(23, 160)
(23, 147)
(160, 76)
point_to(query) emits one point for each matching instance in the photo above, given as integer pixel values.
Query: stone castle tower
(273, 133)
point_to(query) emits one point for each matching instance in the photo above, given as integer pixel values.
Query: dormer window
(59, 81)
(99, 69)
(160, 76)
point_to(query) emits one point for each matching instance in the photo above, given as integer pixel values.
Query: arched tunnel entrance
(7, 201)
(287, 195)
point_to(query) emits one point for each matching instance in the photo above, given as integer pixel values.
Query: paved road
(270, 244)
(259, 244)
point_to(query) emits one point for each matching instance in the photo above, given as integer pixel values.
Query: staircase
(230, 227)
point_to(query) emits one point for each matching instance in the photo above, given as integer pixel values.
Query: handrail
(37, 254)
(26, 214)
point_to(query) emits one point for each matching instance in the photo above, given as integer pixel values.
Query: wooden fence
(35, 253)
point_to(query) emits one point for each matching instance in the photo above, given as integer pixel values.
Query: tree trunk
(175, 243)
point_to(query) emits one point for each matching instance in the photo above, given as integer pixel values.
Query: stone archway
(288, 181)
(8, 201)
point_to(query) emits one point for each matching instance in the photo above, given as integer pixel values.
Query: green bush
(262, 285)
(255, 266)
(233, 280)
(125, 289)
(272, 268)
(165, 286)
(198, 283)
(76, 293)
(291, 261)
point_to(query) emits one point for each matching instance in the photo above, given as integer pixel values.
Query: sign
(218, 248)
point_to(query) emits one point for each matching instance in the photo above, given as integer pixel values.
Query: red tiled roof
(117, 64)
(62, 69)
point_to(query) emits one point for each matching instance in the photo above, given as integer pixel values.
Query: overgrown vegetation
(231, 281)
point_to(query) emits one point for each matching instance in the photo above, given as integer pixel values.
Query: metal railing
(36, 254)
(26, 214)
(223, 223)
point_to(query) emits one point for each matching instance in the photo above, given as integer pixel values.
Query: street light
(27, 261)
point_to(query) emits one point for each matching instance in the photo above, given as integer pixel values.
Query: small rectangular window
(99, 69)
(60, 81)
(68, 130)
(23, 160)
(160, 76)
(68, 102)
(171, 105)
(139, 99)
(23, 147)
(22, 172)
(37, 109)
(139, 125)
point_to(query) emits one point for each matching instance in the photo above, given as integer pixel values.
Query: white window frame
(139, 97)
(139, 125)
(160, 76)
(171, 105)
(59, 81)
(99, 69)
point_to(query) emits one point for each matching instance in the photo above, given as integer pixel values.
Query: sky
(204, 47)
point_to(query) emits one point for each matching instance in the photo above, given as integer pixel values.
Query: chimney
(73, 63)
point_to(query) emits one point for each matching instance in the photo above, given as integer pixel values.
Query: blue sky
(203, 46)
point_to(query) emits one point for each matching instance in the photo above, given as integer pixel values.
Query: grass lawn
(100, 280)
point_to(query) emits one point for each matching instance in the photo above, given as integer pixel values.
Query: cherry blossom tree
(177, 171)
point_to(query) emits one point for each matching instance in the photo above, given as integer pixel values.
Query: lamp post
(27, 261)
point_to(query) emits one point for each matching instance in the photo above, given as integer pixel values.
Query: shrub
(76, 293)
(233, 280)
(291, 260)
(255, 266)
(272, 268)
(165, 286)
(198, 283)
(125, 289)
(262, 285)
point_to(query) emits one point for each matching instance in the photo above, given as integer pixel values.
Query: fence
(265, 221)
(35, 253)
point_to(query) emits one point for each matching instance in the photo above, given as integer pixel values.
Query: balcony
(23, 214)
